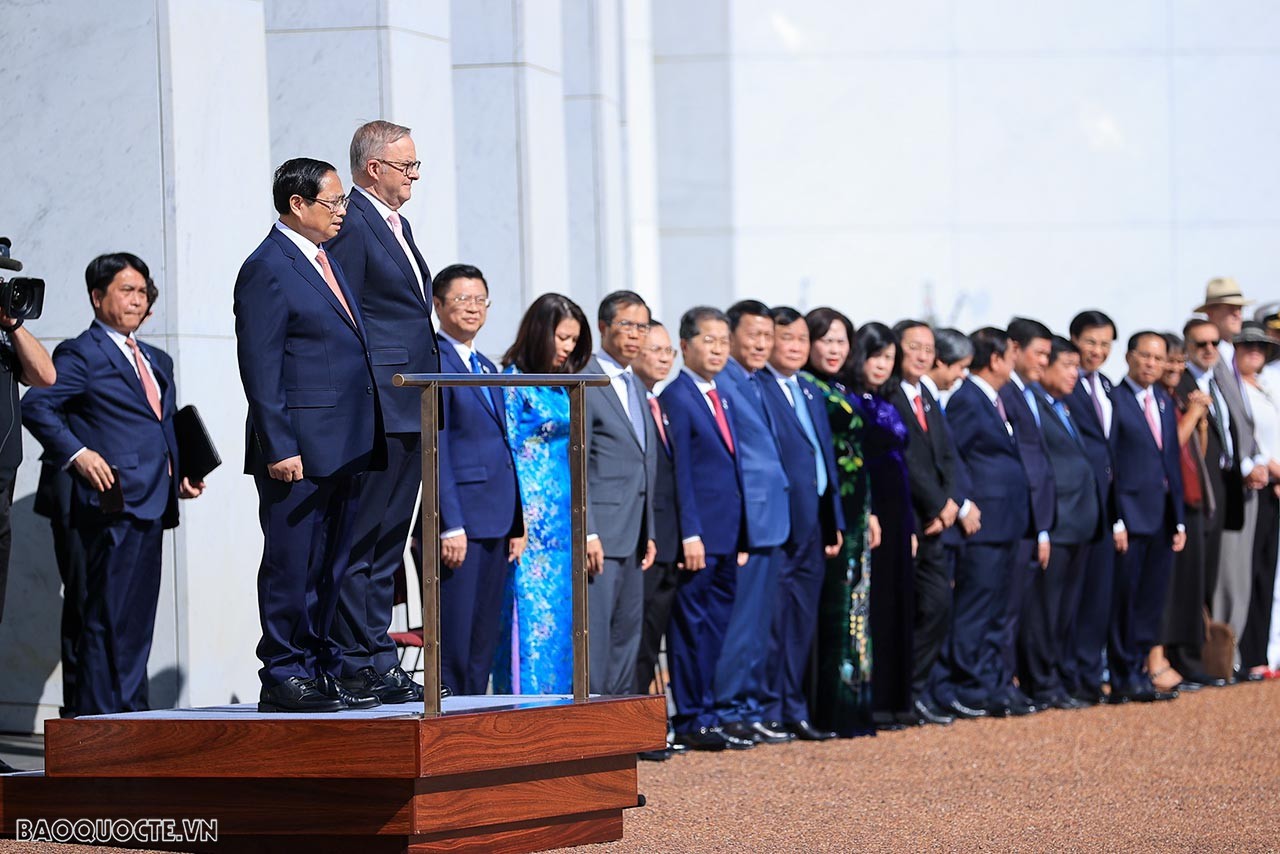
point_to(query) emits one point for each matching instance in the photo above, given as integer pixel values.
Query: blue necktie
(806, 424)
(477, 368)
(1031, 402)
(633, 407)
(1061, 408)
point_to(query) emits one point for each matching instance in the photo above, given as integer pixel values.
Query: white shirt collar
(464, 350)
(1227, 349)
(927, 382)
(984, 387)
(118, 337)
(1137, 389)
(378, 204)
(610, 365)
(308, 248)
(777, 374)
(910, 390)
(1017, 380)
(704, 386)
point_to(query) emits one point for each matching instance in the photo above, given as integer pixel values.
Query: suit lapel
(312, 276)
(121, 364)
(593, 366)
(382, 230)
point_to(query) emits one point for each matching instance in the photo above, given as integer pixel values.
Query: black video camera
(21, 298)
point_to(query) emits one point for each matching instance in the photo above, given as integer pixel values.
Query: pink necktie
(148, 384)
(1153, 418)
(331, 281)
(1004, 416)
(657, 419)
(397, 228)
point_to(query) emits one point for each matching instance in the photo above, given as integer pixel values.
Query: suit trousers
(795, 622)
(382, 526)
(1235, 570)
(1082, 663)
(1257, 628)
(935, 566)
(749, 643)
(615, 609)
(974, 654)
(1137, 606)
(122, 589)
(660, 583)
(307, 528)
(471, 615)
(695, 636)
(1049, 619)
(1022, 576)
(7, 477)
(69, 553)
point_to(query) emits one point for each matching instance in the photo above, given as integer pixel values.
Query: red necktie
(331, 281)
(657, 419)
(917, 403)
(721, 421)
(148, 384)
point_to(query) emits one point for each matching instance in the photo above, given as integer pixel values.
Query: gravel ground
(1199, 774)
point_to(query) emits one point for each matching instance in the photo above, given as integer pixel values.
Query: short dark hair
(618, 299)
(1196, 323)
(746, 308)
(534, 349)
(1136, 338)
(1173, 341)
(300, 176)
(951, 346)
(872, 338)
(820, 320)
(444, 279)
(1088, 320)
(784, 315)
(690, 320)
(655, 322)
(988, 342)
(1023, 330)
(101, 270)
(1059, 345)
(903, 325)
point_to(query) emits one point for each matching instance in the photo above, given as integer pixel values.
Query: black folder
(196, 454)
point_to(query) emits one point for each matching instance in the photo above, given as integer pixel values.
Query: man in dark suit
(1029, 341)
(109, 418)
(980, 426)
(390, 279)
(313, 430)
(749, 651)
(1080, 520)
(652, 366)
(621, 460)
(709, 492)
(799, 415)
(481, 514)
(1149, 526)
(937, 505)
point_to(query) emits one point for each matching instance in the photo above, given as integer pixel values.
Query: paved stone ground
(1199, 774)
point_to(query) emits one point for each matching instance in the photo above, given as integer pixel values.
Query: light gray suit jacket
(620, 474)
(1224, 375)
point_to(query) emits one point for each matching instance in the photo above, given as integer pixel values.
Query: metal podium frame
(430, 385)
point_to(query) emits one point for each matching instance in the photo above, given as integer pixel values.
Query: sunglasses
(1205, 344)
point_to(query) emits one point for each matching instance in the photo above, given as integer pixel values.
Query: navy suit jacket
(1148, 478)
(1082, 501)
(397, 316)
(98, 403)
(807, 507)
(999, 481)
(1096, 445)
(305, 366)
(708, 484)
(764, 482)
(1035, 460)
(666, 507)
(479, 491)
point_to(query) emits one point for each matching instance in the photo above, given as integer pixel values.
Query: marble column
(509, 135)
(640, 154)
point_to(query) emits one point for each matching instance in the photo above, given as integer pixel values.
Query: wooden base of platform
(528, 776)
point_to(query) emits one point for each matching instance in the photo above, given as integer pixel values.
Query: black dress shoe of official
(1019, 698)
(369, 681)
(909, 718)
(930, 714)
(701, 739)
(739, 729)
(806, 731)
(329, 685)
(765, 734)
(655, 755)
(1204, 679)
(733, 742)
(1064, 702)
(1186, 686)
(397, 678)
(891, 726)
(675, 747)
(960, 710)
(296, 694)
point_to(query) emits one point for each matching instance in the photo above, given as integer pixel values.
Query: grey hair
(371, 140)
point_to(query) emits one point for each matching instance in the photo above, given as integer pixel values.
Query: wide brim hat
(1223, 291)
(1268, 314)
(1254, 332)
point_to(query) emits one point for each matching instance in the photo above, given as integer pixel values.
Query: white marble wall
(640, 152)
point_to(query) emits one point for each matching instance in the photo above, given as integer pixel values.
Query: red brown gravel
(1199, 774)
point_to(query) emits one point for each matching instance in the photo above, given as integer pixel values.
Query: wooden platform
(513, 774)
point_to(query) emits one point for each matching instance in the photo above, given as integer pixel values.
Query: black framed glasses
(630, 327)
(334, 205)
(405, 166)
(1206, 344)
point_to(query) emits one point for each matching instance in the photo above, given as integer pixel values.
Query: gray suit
(620, 474)
(1235, 560)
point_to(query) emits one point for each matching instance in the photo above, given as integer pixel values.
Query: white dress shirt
(1103, 400)
(121, 341)
(615, 372)
(385, 213)
(308, 248)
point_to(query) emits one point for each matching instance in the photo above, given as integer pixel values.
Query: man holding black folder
(109, 419)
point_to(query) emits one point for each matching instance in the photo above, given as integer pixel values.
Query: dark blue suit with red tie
(99, 403)
(306, 371)
(709, 493)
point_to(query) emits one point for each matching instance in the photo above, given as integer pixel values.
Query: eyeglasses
(630, 327)
(662, 351)
(917, 347)
(1207, 344)
(713, 341)
(477, 300)
(405, 166)
(334, 205)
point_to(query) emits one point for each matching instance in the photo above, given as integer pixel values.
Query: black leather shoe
(1062, 701)
(806, 731)
(765, 734)
(296, 694)
(962, 711)
(931, 714)
(1090, 695)
(733, 742)
(369, 681)
(739, 729)
(701, 739)
(1186, 686)
(398, 679)
(654, 755)
(675, 747)
(1021, 699)
(362, 699)
(1086, 700)
(908, 718)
